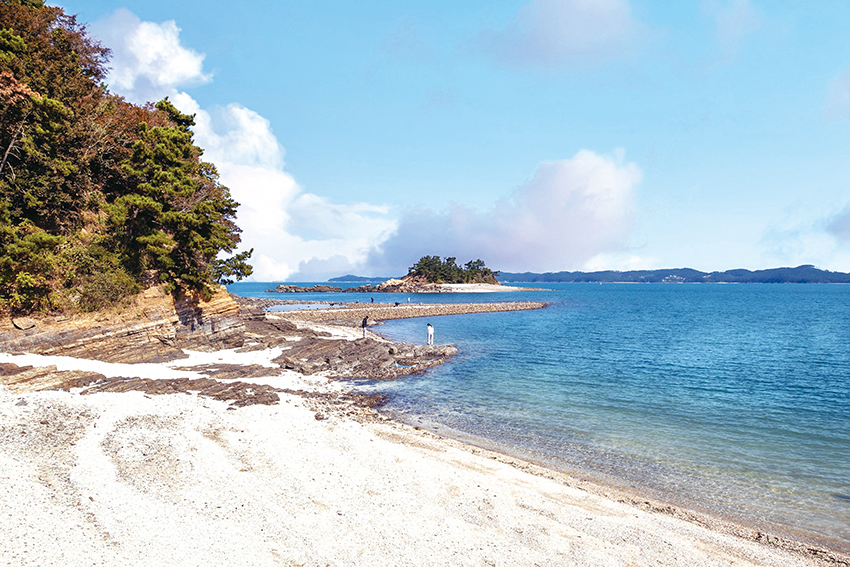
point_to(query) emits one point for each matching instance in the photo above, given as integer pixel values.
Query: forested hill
(800, 274)
(100, 197)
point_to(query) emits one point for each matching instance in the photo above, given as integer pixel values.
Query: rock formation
(152, 328)
(407, 284)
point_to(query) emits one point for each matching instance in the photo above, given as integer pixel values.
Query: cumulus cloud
(566, 214)
(148, 61)
(558, 33)
(733, 20)
(284, 224)
(288, 228)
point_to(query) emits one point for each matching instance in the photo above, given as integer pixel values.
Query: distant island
(801, 274)
(431, 274)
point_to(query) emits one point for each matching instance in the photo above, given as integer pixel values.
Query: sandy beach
(136, 479)
(252, 456)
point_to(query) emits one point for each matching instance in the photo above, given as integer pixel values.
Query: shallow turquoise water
(731, 399)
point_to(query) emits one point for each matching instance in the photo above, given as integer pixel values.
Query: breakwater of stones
(353, 314)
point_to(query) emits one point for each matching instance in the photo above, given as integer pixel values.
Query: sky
(536, 135)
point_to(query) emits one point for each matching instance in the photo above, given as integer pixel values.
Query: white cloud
(557, 33)
(733, 20)
(567, 213)
(286, 226)
(148, 62)
(837, 105)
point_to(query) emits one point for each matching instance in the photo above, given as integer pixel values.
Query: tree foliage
(100, 197)
(436, 270)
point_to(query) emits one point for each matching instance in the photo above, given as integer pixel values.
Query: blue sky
(539, 135)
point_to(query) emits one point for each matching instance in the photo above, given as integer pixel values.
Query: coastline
(419, 497)
(635, 495)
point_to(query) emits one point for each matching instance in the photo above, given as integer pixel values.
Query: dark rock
(240, 394)
(320, 417)
(362, 358)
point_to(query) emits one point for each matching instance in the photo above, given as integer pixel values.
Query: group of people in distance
(365, 323)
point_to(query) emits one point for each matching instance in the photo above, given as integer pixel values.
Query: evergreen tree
(436, 270)
(99, 196)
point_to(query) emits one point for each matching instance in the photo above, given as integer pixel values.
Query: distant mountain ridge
(801, 274)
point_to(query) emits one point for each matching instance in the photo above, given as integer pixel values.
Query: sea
(729, 400)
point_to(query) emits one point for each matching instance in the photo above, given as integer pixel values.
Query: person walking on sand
(365, 322)
(430, 334)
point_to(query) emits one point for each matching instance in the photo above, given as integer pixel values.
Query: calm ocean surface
(727, 399)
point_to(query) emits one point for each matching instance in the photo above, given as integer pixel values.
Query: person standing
(365, 322)
(430, 334)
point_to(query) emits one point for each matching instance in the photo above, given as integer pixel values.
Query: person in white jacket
(430, 334)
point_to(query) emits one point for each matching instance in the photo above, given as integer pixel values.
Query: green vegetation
(100, 197)
(436, 270)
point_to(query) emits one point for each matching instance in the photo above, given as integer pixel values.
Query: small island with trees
(436, 270)
(430, 274)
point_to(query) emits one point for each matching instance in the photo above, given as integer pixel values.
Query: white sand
(148, 370)
(478, 288)
(128, 479)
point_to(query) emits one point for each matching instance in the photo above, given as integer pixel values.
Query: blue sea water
(727, 399)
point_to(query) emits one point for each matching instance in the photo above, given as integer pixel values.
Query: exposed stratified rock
(362, 358)
(239, 394)
(152, 328)
(27, 378)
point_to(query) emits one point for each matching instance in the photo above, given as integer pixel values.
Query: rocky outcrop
(362, 358)
(407, 284)
(28, 378)
(153, 327)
